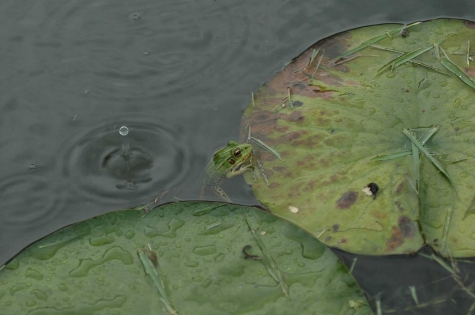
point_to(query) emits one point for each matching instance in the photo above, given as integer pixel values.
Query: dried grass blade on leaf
(449, 65)
(429, 67)
(392, 156)
(318, 63)
(468, 53)
(431, 158)
(416, 161)
(376, 39)
(396, 62)
(269, 262)
(414, 62)
(265, 146)
(149, 262)
(314, 54)
(428, 134)
(291, 103)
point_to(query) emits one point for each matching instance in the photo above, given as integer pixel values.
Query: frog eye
(231, 161)
(237, 152)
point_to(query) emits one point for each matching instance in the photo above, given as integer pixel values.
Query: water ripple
(102, 165)
(145, 50)
(25, 200)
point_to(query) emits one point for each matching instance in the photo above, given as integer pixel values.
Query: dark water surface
(177, 73)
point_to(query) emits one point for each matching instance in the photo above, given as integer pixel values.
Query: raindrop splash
(126, 153)
(124, 131)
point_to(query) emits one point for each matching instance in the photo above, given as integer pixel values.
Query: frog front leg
(242, 170)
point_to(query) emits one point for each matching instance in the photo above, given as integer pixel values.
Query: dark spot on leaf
(279, 168)
(262, 116)
(274, 185)
(328, 238)
(406, 229)
(288, 137)
(469, 24)
(152, 256)
(395, 240)
(298, 103)
(295, 116)
(344, 35)
(300, 85)
(335, 227)
(268, 172)
(400, 188)
(343, 241)
(406, 226)
(399, 206)
(347, 199)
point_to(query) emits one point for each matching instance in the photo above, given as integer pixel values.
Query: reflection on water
(176, 73)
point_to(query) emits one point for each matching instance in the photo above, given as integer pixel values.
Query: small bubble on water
(32, 167)
(124, 131)
(135, 16)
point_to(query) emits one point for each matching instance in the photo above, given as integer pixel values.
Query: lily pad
(379, 105)
(188, 258)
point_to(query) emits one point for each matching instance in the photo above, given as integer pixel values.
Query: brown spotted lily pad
(377, 139)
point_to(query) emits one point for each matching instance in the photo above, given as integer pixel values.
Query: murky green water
(178, 74)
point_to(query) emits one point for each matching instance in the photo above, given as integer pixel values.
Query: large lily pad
(105, 266)
(372, 118)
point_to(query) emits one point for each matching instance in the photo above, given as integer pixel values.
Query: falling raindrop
(124, 131)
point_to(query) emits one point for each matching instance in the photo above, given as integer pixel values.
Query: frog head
(232, 160)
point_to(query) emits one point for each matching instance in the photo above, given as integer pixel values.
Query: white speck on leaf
(293, 209)
(367, 191)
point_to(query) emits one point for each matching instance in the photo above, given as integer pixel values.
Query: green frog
(230, 161)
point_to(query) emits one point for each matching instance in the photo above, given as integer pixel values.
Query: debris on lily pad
(293, 209)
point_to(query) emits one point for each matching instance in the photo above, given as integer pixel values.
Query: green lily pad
(188, 258)
(378, 105)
